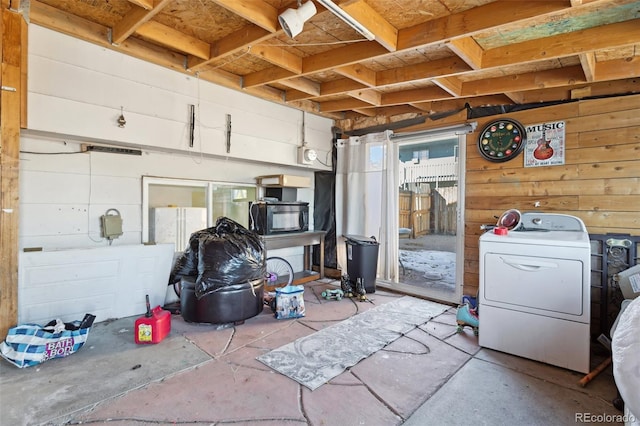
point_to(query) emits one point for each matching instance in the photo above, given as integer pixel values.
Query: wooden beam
(342, 105)
(386, 34)
(258, 12)
(475, 20)
(369, 96)
(414, 95)
(134, 19)
(221, 77)
(528, 81)
(152, 53)
(294, 95)
(421, 71)
(278, 56)
(616, 69)
(452, 85)
(588, 62)
(237, 41)
(174, 39)
(604, 88)
(10, 107)
(468, 50)
(359, 73)
(145, 4)
(515, 97)
(563, 45)
(459, 103)
(269, 75)
(24, 67)
(267, 92)
(304, 85)
(580, 93)
(64, 22)
(340, 86)
(369, 112)
(348, 55)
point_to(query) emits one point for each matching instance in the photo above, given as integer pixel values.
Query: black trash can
(362, 260)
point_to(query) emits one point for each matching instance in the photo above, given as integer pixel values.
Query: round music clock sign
(502, 140)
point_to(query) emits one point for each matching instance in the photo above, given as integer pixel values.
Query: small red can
(154, 326)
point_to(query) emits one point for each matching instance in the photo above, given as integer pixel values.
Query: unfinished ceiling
(428, 56)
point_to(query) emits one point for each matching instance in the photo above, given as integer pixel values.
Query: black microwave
(277, 217)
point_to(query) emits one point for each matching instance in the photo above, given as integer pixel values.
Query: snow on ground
(435, 267)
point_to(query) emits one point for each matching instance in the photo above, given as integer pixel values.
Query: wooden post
(12, 110)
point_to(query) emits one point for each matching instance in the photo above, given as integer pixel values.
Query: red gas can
(154, 326)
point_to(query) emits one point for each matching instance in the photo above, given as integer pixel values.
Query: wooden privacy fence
(427, 213)
(415, 212)
(444, 215)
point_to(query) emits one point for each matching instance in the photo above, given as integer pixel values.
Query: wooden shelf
(305, 277)
(284, 181)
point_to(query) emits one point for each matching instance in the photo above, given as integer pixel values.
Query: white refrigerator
(176, 224)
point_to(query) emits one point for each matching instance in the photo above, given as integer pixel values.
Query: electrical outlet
(306, 155)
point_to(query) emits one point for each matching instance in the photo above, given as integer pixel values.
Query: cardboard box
(284, 180)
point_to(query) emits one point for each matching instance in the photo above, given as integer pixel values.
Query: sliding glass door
(430, 201)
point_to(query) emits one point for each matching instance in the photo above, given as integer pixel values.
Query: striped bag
(31, 344)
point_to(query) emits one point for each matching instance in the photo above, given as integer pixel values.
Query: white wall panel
(109, 282)
(106, 189)
(85, 121)
(53, 188)
(81, 95)
(53, 219)
(73, 241)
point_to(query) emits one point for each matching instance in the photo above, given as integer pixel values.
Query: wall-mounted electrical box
(111, 224)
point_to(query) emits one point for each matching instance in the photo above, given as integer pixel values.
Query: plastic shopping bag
(31, 344)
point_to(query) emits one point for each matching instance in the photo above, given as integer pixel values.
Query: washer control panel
(535, 221)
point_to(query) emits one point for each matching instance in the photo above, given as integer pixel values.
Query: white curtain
(366, 204)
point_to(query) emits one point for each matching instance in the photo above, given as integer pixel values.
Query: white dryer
(535, 294)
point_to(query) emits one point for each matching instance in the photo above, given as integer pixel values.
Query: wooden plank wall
(12, 111)
(599, 182)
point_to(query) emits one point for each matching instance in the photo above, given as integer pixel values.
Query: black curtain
(324, 211)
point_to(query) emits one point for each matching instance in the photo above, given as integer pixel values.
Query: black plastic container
(362, 260)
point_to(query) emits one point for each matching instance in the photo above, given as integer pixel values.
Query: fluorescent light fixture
(292, 20)
(340, 13)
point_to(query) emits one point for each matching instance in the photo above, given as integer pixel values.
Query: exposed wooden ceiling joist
(426, 53)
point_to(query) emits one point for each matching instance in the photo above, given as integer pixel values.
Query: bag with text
(27, 345)
(289, 302)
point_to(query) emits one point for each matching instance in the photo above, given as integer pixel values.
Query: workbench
(306, 239)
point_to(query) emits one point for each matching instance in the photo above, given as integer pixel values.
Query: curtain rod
(458, 129)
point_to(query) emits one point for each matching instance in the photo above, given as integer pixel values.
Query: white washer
(535, 295)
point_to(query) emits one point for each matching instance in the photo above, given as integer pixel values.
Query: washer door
(511, 219)
(544, 285)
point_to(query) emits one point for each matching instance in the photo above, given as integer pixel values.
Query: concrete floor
(204, 374)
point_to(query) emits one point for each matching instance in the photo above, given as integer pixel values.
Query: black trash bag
(230, 255)
(187, 264)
